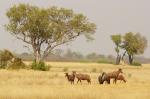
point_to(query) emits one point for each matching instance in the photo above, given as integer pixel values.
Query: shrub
(16, 64)
(40, 66)
(5, 57)
(136, 64)
(2, 65)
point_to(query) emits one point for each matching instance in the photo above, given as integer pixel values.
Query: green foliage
(135, 43)
(39, 66)
(136, 64)
(116, 39)
(132, 44)
(49, 27)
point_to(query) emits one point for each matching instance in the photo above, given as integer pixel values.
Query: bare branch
(23, 39)
(50, 47)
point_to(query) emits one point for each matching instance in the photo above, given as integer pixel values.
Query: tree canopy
(117, 40)
(131, 43)
(135, 44)
(44, 29)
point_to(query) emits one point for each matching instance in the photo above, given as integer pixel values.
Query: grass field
(29, 84)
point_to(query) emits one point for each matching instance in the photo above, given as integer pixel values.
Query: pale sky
(110, 16)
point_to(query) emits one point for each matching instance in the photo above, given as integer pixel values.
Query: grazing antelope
(103, 78)
(112, 75)
(70, 78)
(121, 78)
(81, 77)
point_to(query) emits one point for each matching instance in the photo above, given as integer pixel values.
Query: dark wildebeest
(82, 77)
(121, 78)
(112, 75)
(103, 78)
(70, 78)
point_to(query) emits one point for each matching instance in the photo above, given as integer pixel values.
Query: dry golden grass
(29, 84)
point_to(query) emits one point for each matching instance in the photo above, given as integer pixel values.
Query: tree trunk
(130, 59)
(123, 55)
(37, 58)
(118, 59)
(37, 55)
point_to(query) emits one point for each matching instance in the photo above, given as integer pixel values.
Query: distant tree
(134, 44)
(101, 56)
(117, 41)
(111, 57)
(92, 56)
(68, 54)
(45, 29)
(131, 43)
(25, 54)
(72, 55)
(58, 52)
(77, 55)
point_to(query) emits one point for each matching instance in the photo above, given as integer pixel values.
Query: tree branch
(50, 47)
(23, 39)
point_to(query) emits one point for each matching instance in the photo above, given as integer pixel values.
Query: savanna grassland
(52, 84)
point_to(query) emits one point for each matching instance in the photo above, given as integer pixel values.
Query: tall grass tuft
(65, 69)
(94, 70)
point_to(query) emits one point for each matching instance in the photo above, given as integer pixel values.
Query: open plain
(52, 84)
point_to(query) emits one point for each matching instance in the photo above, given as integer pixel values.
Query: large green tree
(45, 29)
(134, 44)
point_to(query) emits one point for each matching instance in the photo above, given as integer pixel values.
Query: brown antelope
(70, 78)
(112, 75)
(121, 78)
(81, 77)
